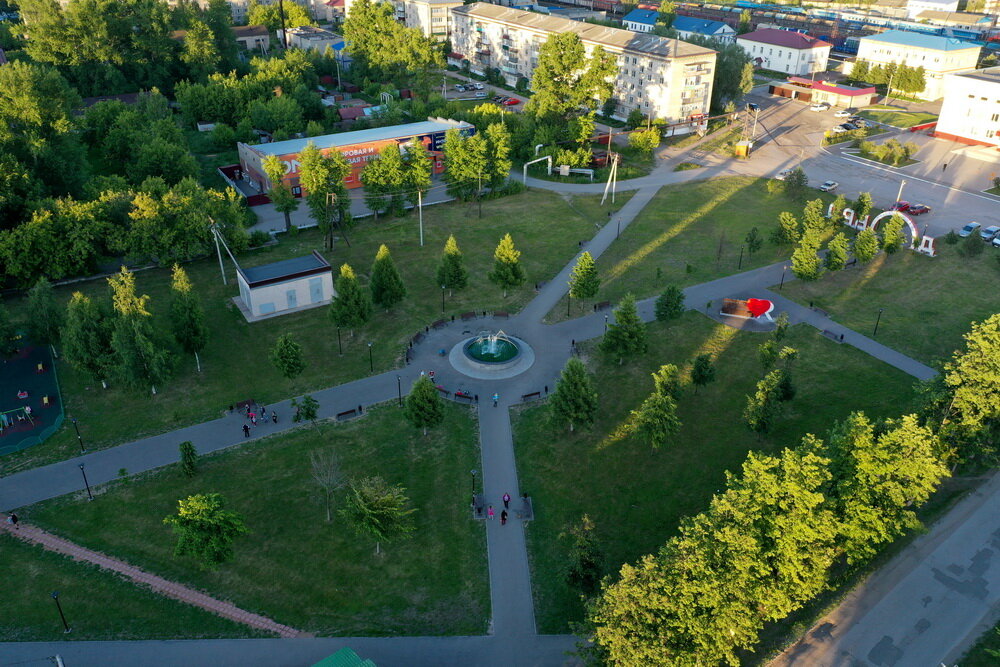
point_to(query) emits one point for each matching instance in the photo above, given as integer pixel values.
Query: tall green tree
(280, 194)
(386, 182)
(574, 400)
(788, 231)
(417, 170)
(566, 81)
(586, 560)
(352, 307)
(806, 264)
(754, 241)
(656, 420)
(866, 245)
(322, 176)
(762, 406)
(667, 381)
(584, 282)
(973, 375)
(702, 371)
(813, 218)
(205, 529)
(378, 509)
(862, 205)
(892, 234)
(45, 318)
(386, 285)
(670, 304)
(836, 252)
(451, 271)
(187, 317)
(287, 357)
(86, 337)
(8, 334)
(200, 52)
(424, 408)
(498, 139)
(140, 357)
(626, 337)
(270, 15)
(465, 160)
(507, 271)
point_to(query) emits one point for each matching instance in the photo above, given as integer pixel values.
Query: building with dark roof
(283, 287)
(785, 51)
(641, 20)
(688, 26)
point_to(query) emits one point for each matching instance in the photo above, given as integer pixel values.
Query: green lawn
(994, 191)
(293, 566)
(545, 227)
(928, 302)
(898, 118)
(691, 233)
(637, 496)
(99, 605)
(978, 656)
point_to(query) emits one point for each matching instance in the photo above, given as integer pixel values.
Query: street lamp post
(740, 266)
(899, 194)
(605, 324)
(442, 298)
(83, 450)
(782, 284)
(473, 471)
(371, 361)
(877, 320)
(55, 596)
(399, 389)
(90, 496)
(340, 346)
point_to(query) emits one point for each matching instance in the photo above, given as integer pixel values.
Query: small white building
(915, 7)
(317, 39)
(785, 51)
(641, 20)
(283, 287)
(971, 110)
(936, 54)
(688, 26)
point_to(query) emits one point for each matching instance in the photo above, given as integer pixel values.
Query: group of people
(253, 417)
(490, 514)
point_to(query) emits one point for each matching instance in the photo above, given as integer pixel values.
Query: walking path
(513, 638)
(35, 535)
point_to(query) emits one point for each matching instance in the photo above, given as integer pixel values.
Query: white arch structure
(926, 242)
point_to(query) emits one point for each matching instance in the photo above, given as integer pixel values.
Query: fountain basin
(494, 349)
(489, 356)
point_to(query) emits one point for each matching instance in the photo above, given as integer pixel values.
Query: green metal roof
(345, 657)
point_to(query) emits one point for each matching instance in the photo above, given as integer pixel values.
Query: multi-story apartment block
(663, 78)
(431, 17)
(937, 55)
(971, 110)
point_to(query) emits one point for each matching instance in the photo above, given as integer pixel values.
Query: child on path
(246, 431)
(489, 512)
(506, 501)
(503, 518)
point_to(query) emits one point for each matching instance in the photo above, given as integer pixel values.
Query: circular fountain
(492, 355)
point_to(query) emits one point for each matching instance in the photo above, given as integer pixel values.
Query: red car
(901, 206)
(511, 102)
(918, 209)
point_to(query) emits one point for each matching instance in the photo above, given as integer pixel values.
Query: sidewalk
(29, 533)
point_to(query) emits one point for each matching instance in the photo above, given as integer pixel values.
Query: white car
(838, 130)
(478, 86)
(822, 106)
(843, 113)
(829, 186)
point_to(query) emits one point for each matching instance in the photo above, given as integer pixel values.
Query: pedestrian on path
(496, 397)
(263, 412)
(253, 418)
(246, 431)
(506, 500)
(489, 513)
(274, 416)
(503, 518)
(12, 520)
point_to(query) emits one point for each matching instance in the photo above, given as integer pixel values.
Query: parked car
(784, 174)
(511, 101)
(901, 206)
(478, 86)
(847, 127)
(840, 129)
(990, 233)
(496, 98)
(480, 95)
(918, 209)
(829, 186)
(969, 229)
(822, 106)
(843, 113)
(996, 241)
(459, 87)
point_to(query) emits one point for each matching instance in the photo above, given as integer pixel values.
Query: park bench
(735, 308)
(464, 396)
(539, 286)
(530, 397)
(581, 243)
(836, 338)
(439, 324)
(471, 315)
(603, 305)
(243, 405)
(419, 337)
(527, 511)
(817, 309)
(444, 392)
(347, 414)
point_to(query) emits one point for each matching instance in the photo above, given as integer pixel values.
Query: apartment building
(971, 110)
(431, 17)
(785, 51)
(938, 56)
(663, 78)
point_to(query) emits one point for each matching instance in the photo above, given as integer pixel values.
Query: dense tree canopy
(568, 82)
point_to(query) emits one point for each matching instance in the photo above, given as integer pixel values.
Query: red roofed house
(785, 51)
(834, 94)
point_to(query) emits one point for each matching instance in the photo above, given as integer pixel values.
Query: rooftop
(312, 32)
(646, 16)
(250, 31)
(784, 38)
(701, 26)
(286, 269)
(921, 41)
(988, 75)
(615, 38)
(961, 18)
(359, 136)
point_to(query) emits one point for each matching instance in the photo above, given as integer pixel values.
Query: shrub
(259, 238)
(972, 245)
(951, 238)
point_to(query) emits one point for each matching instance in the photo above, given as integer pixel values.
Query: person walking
(253, 418)
(496, 397)
(506, 501)
(489, 513)
(503, 518)
(12, 519)
(263, 412)
(246, 431)
(274, 416)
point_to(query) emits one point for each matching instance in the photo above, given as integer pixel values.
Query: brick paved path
(30, 533)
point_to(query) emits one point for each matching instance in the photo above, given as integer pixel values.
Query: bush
(522, 85)
(951, 238)
(635, 119)
(972, 245)
(223, 137)
(259, 238)
(644, 141)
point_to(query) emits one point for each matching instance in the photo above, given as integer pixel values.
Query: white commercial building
(914, 7)
(662, 78)
(785, 51)
(971, 110)
(285, 286)
(938, 56)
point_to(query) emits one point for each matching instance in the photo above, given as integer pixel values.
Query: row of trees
(894, 76)
(891, 151)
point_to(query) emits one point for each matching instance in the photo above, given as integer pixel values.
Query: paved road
(927, 606)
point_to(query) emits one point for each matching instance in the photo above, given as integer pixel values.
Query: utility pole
(218, 251)
(284, 31)
(420, 214)
(899, 195)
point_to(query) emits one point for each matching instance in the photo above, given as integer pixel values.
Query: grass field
(296, 568)
(235, 362)
(978, 655)
(692, 233)
(98, 605)
(928, 302)
(636, 496)
(898, 118)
